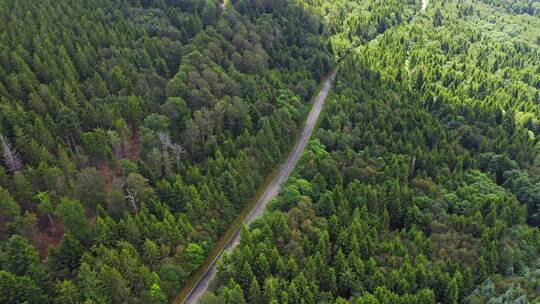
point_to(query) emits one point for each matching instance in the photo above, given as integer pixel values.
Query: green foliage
(160, 117)
(194, 255)
(19, 257)
(74, 219)
(420, 186)
(68, 293)
(10, 209)
(24, 277)
(19, 289)
(138, 130)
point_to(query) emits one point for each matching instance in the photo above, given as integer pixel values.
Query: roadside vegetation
(422, 184)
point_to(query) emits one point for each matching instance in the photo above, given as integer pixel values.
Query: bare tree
(11, 159)
(132, 200)
(116, 142)
(166, 161)
(165, 139)
(176, 150)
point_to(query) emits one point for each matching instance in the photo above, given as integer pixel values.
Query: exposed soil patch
(130, 150)
(47, 235)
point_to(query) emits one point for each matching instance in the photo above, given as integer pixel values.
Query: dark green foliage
(133, 132)
(421, 183)
(19, 289)
(24, 278)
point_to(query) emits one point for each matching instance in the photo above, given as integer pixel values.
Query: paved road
(273, 188)
(271, 191)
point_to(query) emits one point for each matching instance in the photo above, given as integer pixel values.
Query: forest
(133, 132)
(422, 183)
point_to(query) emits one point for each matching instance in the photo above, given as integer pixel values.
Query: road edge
(237, 224)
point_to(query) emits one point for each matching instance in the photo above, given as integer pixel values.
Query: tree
(209, 11)
(11, 158)
(151, 254)
(233, 294)
(68, 293)
(176, 109)
(157, 122)
(97, 143)
(74, 219)
(526, 191)
(19, 289)
(116, 202)
(156, 295)
(194, 255)
(172, 277)
(97, 87)
(105, 231)
(65, 259)
(437, 18)
(114, 284)
(138, 186)
(128, 167)
(254, 292)
(20, 258)
(451, 293)
(89, 187)
(10, 210)
(46, 207)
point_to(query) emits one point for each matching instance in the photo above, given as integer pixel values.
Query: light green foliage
(144, 128)
(194, 255)
(68, 293)
(15, 289)
(422, 179)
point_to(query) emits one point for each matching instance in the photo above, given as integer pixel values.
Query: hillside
(133, 132)
(422, 184)
(134, 135)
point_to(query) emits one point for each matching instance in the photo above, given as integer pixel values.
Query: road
(271, 191)
(273, 187)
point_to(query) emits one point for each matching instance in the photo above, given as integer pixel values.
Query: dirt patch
(47, 235)
(131, 148)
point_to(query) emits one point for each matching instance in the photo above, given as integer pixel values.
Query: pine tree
(451, 294)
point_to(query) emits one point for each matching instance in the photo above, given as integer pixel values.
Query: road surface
(424, 4)
(271, 191)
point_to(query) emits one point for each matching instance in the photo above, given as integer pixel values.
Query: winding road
(272, 189)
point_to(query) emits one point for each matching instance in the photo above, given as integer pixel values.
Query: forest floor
(46, 237)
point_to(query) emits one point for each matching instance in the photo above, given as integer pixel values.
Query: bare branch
(165, 139)
(132, 201)
(11, 159)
